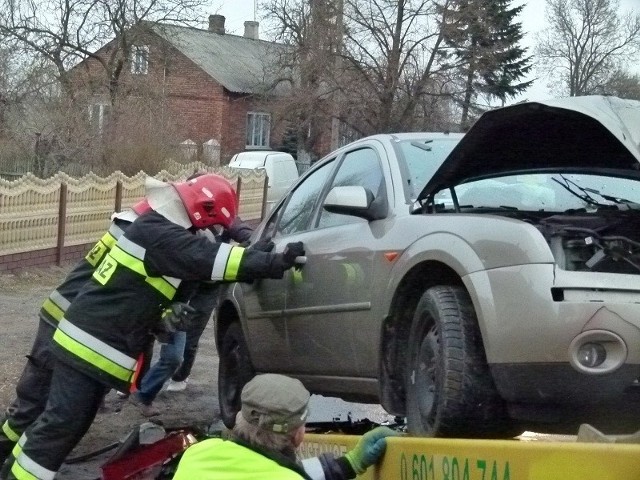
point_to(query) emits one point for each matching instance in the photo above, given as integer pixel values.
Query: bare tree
(584, 43)
(371, 64)
(309, 31)
(64, 32)
(101, 35)
(391, 47)
(623, 84)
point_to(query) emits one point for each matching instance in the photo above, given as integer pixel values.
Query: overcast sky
(237, 12)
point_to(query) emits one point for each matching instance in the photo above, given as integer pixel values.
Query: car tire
(450, 392)
(234, 371)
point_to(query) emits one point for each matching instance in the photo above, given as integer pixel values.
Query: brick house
(212, 87)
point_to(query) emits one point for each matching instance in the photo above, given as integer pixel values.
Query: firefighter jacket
(54, 307)
(236, 460)
(106, 327)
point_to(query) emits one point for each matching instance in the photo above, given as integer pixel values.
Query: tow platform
(150, 453)
(414, 458)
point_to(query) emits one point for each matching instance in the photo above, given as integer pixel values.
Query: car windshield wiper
(422, 145)
(585, 196)
(617, 200)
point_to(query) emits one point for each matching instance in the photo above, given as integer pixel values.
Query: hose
(90, 455)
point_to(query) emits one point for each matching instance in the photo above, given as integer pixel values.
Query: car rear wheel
(449, 388)
(234, 371)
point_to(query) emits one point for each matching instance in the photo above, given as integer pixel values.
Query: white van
(280, 168)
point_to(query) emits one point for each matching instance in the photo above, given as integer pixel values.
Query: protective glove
(369, 449)
(263, 245)
(176, 317)
(282, 262)
(291, 252)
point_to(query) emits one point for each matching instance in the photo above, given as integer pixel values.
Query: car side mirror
(354, 200)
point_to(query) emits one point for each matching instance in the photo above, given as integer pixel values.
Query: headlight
(592, 355)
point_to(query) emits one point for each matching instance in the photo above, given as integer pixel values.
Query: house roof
(240, 64)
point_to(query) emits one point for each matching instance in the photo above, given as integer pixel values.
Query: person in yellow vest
(262, 444)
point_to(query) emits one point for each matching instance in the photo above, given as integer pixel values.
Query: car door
(328, 303)
(264, 300)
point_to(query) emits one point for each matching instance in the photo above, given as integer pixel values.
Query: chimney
(216, 24)
(251, 30)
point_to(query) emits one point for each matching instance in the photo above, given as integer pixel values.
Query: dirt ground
(21, 296)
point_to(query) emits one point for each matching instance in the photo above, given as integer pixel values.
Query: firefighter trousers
(67, 416)
(32, 391)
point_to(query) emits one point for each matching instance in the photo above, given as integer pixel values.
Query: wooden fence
(31, 209)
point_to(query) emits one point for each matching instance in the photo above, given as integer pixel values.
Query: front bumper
(534, 318)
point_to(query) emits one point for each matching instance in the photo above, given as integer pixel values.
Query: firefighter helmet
(209, 200)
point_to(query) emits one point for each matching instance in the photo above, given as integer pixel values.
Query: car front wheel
(449, 388)
(234, 371)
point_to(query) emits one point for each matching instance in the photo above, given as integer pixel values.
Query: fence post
(118, 205)
(265, 189)
(238, 188)
(62, 222)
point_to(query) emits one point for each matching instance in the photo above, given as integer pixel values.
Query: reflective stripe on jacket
(223, 459)
(102, 356)
(54, 307)
(129, 255)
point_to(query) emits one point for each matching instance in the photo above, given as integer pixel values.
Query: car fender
(230, 297)
(471, 244)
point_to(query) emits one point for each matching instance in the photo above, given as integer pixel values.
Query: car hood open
(576, 132)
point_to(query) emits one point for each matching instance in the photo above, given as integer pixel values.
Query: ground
(21, 296)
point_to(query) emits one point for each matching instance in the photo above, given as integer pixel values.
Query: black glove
(176, 317)
(282, 262)
(291, 252)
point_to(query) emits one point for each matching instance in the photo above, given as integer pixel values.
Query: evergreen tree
(510, 60)
(483, 38)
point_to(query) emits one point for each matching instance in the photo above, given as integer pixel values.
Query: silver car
(461, 282)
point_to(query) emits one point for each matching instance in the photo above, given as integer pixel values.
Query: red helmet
(209, 200)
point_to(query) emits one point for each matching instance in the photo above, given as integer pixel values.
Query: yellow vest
(217, 459)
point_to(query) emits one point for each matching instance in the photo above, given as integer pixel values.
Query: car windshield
(547, 192)
(423, 157)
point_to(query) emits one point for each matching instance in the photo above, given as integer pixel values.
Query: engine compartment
(595, 242)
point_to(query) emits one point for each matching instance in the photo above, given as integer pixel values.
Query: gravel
(21, 296)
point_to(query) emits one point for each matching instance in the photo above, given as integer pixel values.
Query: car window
(298, 209)
(423, 158)
(545, 192)
(362, 168)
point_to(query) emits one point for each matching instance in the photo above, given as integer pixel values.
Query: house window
(258, 127)
(99, 117)
(140, 60)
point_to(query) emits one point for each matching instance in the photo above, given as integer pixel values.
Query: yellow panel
(411, 458)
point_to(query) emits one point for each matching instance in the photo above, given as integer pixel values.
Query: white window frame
(98, 123)
(140, 59)
(258, 129)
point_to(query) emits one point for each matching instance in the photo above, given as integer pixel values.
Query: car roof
(594, 132)
(252, 159)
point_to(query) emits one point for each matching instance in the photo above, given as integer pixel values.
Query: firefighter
(269, 428)
(204, 302)
(32, 389)
(179, 348)
(99, 339)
